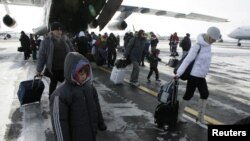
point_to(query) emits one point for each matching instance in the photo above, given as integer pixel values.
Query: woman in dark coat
(25, 43)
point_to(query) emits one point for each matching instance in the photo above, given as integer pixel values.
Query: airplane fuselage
(241, 33)
(73, 14)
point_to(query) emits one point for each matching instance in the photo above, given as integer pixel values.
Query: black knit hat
(56, 26)
(140, 32)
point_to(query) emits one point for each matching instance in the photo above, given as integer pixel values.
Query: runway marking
(187, 109)
(207, 118)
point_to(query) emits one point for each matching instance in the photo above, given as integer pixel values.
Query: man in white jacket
(199, 71)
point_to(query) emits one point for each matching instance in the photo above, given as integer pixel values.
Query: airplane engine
(9, 21)
(40, 30)
(117, 25)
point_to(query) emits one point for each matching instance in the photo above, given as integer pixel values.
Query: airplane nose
(231, 35)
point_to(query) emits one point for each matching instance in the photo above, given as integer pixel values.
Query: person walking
(112, 44)
(153, 41)
(25, 43)
(134, 52)
(145, 53)
(185, 45)
(82, 43)
(52, 52)
(33, 47)
(153, 61)
(75, 109)
(197, 78)
(174, 40)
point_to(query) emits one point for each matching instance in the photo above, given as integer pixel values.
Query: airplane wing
(108, 12)
(194, 16)
(38, 3)
(125, 11)
(77, 15)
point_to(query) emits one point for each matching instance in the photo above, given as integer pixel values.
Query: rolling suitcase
(30, 91)
(117, 75)
(121, 63)
(167, 113)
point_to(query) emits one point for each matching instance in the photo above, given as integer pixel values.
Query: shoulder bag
(189, 68)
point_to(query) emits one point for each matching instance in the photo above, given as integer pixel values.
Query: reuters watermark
(239, 132)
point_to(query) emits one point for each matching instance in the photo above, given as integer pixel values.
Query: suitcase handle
(174, 96)
(36, 76)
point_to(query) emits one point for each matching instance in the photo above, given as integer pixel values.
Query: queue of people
(74, 106)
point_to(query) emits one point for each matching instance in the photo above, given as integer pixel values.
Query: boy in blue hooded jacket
(75, 110)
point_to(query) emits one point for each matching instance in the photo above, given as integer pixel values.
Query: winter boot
(202, 110)
(182, 105)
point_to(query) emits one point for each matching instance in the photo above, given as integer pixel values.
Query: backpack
(166, 92)
(182, 42)
(166, 113)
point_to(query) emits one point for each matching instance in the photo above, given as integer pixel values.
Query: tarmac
(128, 110)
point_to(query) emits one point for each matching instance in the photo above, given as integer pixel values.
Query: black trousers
(111, 57)
(151, 72)
(58, 75)
(26, 54)
(144, 54)
(193, 83)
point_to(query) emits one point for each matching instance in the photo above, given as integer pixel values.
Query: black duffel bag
(189, 68)
(20, 49)
(121, 63)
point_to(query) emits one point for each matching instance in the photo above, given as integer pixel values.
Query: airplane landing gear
(239, 44)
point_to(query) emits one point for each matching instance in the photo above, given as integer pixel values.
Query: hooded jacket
(82, 43)
(203, 60)
(46, 51)
(75, 109)
(81, 34)
(135, 48)
(154, 59)
(185, 43)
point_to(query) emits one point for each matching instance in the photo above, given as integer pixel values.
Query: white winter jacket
(203, 60)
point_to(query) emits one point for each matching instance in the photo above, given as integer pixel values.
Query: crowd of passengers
(102, 48)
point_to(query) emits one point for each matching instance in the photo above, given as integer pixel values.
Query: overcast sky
(236, 11)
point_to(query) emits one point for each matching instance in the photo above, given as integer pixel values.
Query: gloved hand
(102, 126)
(176, 77)
(38, 74)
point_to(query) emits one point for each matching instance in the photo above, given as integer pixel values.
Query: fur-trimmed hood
(73, 62)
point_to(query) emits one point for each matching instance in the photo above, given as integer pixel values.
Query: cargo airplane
(78, 15)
